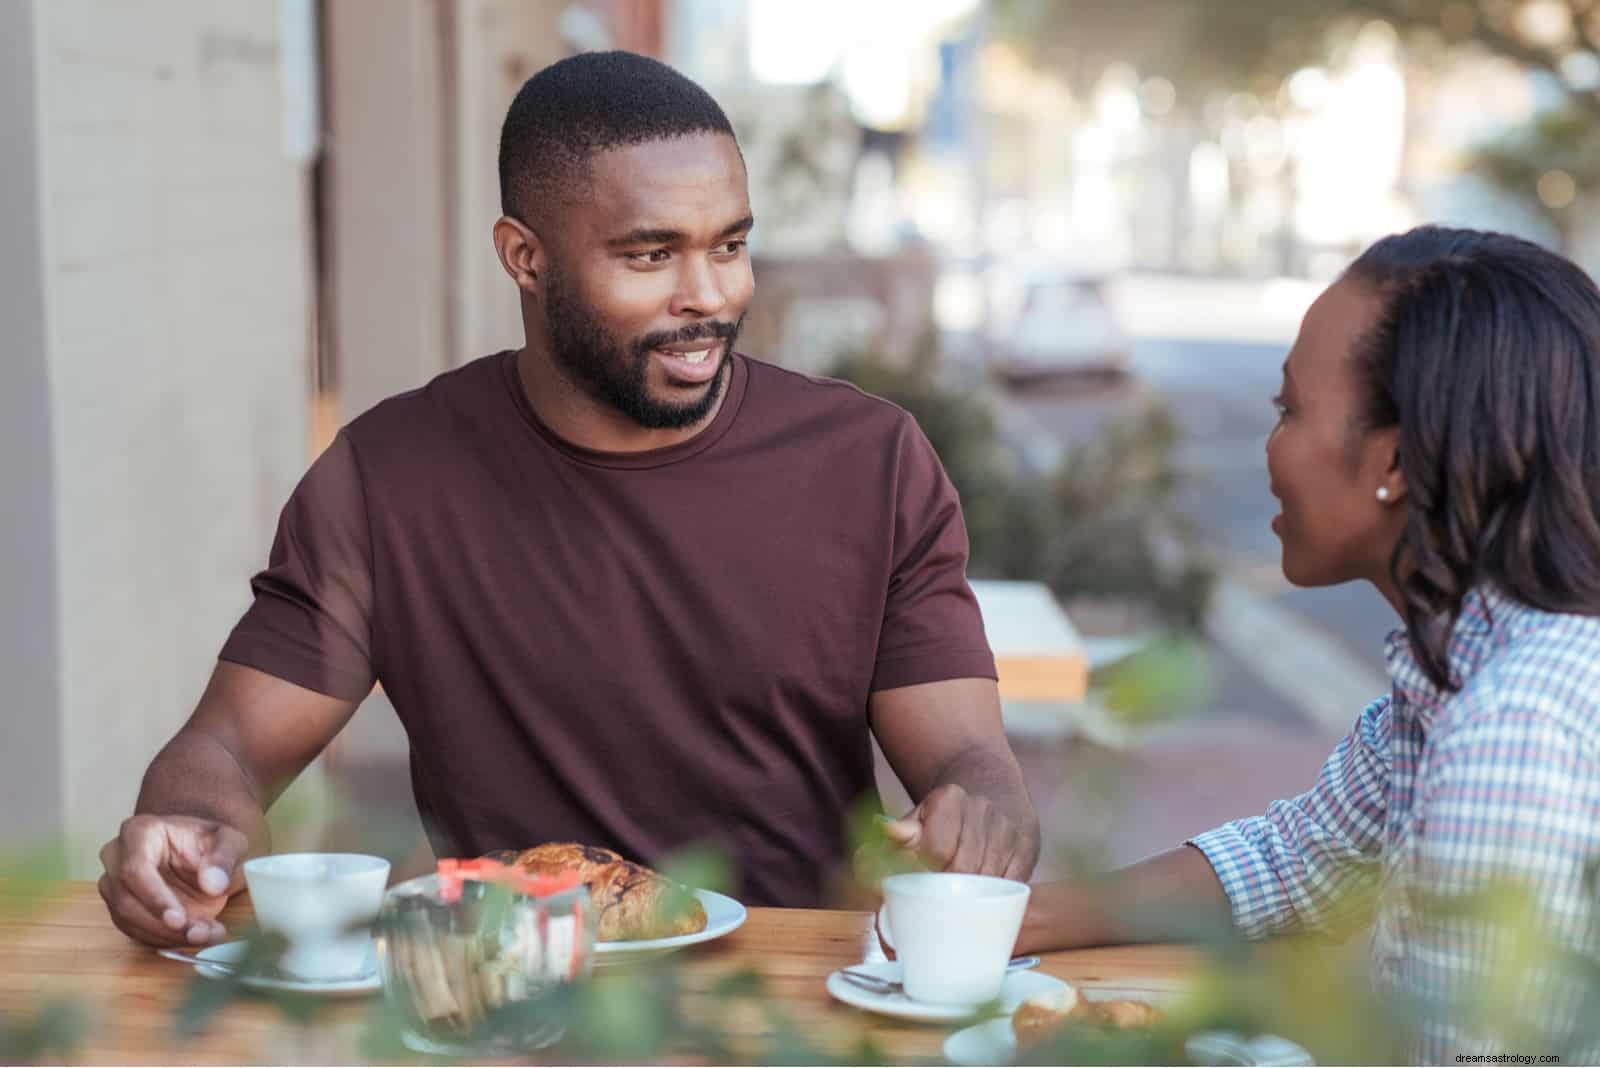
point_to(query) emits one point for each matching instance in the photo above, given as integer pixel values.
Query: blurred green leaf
(702, 866)
(52, 1031)
(1173, 673)
(625, 1017)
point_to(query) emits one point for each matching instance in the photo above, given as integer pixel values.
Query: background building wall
(29, 643)
(174, 281)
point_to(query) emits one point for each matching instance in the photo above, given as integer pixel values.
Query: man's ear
(521, 252)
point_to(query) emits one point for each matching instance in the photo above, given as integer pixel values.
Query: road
(1293, 667)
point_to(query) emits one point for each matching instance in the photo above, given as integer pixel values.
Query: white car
(1065, 328)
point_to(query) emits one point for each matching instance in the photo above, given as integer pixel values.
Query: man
(623, 586)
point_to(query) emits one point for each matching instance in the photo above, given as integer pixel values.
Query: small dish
(1018, 987)
(231, 953)
(994, 1042)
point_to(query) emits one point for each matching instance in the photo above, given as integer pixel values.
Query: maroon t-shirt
(642, 650)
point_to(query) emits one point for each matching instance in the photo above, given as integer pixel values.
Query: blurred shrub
(1105, 522)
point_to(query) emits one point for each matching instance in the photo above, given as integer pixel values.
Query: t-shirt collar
(733, 397)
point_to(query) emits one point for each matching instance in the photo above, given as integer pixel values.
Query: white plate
(993, 1041)
(369, 982)
(723, 914)
(1018, 987)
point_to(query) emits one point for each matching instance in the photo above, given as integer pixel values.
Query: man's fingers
(1018, 867)
(1001, 845)
(941, 836)
(905, 831)
(140, 876)
(133, 918)
(973, 841)
(223, 869)
(208, 856)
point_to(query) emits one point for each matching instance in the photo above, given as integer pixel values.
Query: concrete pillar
(157, 299)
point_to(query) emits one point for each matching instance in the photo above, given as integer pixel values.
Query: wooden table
(62, 943)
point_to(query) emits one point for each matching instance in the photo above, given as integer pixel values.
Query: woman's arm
(1164, 898)
(1309, 862)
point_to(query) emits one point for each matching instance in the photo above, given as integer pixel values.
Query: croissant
(632, 901)
(1041, 1018)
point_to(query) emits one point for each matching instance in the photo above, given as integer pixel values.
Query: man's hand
(957, 831)
(167, 878)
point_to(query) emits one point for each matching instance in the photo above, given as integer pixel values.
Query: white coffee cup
(323, 905)
(953, 933)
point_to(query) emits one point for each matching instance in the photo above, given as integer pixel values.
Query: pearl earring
(1383, 493)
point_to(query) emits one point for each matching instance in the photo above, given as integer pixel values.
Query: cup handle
(885, 935)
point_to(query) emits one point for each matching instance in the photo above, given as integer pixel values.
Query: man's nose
(699, 293)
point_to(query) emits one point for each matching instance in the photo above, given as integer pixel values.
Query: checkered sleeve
(1509, 834)
(1311, 862)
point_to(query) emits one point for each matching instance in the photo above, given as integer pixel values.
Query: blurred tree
(1202, 45)
(1547, 163)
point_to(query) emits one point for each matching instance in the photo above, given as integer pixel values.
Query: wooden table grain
(57, 941)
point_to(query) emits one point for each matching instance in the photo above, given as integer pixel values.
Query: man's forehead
(650, 183)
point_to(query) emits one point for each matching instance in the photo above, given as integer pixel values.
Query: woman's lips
(1277, 524)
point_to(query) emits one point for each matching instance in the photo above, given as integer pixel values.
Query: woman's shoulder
(1544, 673)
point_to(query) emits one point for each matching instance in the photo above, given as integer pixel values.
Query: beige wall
(498, 45)
(175, 306)
(385, 197)
(30, 795)
(441, 73)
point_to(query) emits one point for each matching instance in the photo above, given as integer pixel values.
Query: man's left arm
(946, 743)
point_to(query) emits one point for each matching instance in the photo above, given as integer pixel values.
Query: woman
(1439, 437)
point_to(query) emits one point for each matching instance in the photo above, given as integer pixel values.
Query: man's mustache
(694, 332)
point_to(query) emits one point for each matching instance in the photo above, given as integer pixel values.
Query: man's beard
(615, 373)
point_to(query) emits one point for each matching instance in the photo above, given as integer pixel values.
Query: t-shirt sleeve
(311, 620)
(932, 629)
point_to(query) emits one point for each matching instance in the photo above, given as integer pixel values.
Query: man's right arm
(202, 807)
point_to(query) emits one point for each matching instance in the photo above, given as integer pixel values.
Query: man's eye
(733, 248)
(655, 255)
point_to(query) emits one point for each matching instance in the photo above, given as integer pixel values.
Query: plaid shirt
(1444, 793)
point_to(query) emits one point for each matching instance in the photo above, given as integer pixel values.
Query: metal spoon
(879, 985)
(190, 958)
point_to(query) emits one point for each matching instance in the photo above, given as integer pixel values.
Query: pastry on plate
(633, 902)
(1040, 1018)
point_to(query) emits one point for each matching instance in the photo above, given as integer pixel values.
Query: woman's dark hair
(1486, 355)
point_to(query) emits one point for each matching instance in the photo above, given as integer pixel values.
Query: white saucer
(723, 915)
(993, 1041)
(1018, 987)
(369, 982)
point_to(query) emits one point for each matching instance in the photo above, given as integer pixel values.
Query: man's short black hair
(585, 104)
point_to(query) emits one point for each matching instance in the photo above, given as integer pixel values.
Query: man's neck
(579, 418)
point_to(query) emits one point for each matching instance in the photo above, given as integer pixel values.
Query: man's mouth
(693, 351)
(691, 362)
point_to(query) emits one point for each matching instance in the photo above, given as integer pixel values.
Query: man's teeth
(697, 357)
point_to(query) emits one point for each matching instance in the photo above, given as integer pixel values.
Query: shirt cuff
(935, 664)
(285, 661)
(1256, 895)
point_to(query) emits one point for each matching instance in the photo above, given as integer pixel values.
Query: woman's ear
(1391, 488)
(521, 252)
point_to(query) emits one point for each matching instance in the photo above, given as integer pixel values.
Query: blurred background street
(1073, 237)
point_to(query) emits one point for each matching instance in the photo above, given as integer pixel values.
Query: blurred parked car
(1064, 329)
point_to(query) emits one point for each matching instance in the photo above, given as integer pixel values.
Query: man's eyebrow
(645, 236)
